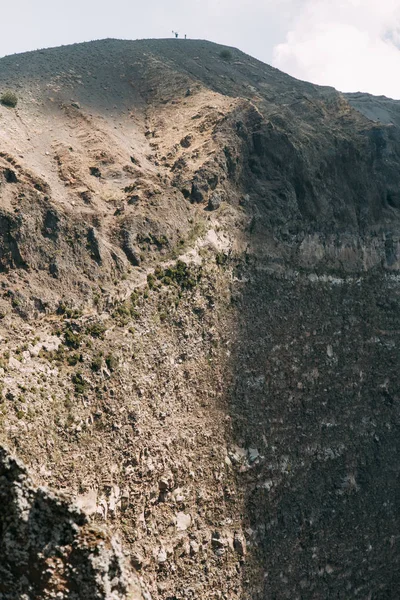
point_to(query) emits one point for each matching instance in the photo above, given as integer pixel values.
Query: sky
(353, 45)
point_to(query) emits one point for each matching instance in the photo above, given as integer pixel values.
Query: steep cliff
(200, 317)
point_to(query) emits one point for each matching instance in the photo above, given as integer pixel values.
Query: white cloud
(349, 44)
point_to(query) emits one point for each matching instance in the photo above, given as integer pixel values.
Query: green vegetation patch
(111, 362)
(9, 98)
(96, 330)
(226, 55)
(179, 274)
(97, 362)
(72, 339)
(80, 384)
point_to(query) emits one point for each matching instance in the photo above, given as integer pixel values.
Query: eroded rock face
(317, 379)
(48, 548)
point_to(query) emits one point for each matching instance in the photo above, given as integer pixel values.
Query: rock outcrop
(48, 549)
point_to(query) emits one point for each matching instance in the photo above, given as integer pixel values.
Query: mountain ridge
(199, 317)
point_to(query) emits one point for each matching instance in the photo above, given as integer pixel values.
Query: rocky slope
(48, 547)
(200, 311)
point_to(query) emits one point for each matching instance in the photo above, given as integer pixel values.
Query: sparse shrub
(122, 315)
(68, 312)
(179, 274)
(80, 384)
(71, 339)
(221, 258)
(9, 98)
(96, 330)
(56, 355)
(134, 298)
(73, 359)
(111, 362)
(134, 313)
(97, 363)
(151, 280)
(122, 311)
(226, 55)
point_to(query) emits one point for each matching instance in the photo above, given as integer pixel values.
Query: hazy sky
(350, 44)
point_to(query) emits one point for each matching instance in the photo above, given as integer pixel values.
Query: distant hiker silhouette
(176, 34)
